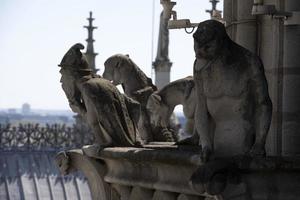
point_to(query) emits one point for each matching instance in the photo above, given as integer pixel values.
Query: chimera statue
(232, 93)
(111, 115)
(120, 69)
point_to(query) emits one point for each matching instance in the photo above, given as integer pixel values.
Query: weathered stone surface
(214, 176)
(123, 192)
(111, 115)
(139, 193)
(133, 173)
(94, 170)
(233, 114)
(291, 113)
(161, 104)
(236, 191)
(162, 64)
(190, 197)
(120, 69)
(232, 93)
(160, 195)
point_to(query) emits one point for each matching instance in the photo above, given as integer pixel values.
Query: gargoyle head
(117, 67)
(209, 39)
(75, 60)
(63, 162)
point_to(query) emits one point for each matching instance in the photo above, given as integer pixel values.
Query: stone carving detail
(164, 171)
(232, 92)
(92, 169)
(163, 39)
(161, 104)
(111, 115)
(228, 101)
(120, 69)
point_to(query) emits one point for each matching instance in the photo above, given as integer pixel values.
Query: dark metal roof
(34, 175)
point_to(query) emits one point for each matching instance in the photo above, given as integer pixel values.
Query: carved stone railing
(50, 137)
(170, 172)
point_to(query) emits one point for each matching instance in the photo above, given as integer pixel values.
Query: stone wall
(277, 42)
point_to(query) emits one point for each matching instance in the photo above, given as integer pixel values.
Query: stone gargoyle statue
(120, 69)
(112, 116)
(231, 92)
(161, 103)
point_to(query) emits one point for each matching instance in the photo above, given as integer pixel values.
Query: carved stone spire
(214, 10)
(162, 64)
(90, 54)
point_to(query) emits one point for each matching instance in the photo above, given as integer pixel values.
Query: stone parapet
(164, 171)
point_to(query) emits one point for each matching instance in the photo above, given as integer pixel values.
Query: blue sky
(35, 34)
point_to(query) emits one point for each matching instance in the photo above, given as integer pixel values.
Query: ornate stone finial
(90, 54)
(214, 10)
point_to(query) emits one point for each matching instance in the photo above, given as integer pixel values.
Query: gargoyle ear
(127, 55)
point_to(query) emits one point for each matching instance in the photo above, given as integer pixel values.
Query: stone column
(229, 17)
(246, 27)
(162, 64)
(241, 24)
(270, 50)
(162, 73)
(264, 36)
(291, 85)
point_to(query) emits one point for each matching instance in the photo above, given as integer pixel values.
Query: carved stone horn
(75, 60)
(73, 56)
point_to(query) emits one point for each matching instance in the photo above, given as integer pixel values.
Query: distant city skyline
(36, 33)
(18, 110)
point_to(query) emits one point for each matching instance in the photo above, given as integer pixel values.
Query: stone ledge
(154, 153)
(178, 169)
(190, 155)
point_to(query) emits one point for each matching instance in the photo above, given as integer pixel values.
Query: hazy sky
(35, 34)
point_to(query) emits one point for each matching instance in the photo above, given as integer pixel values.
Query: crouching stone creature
(161, 104)
(232, 92)
(120, 69)
(111, 115)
